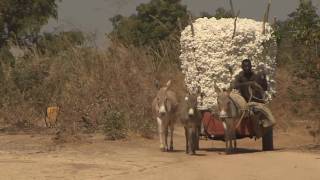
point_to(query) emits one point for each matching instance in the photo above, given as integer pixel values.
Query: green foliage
(21, 20)
(300, 32)
(298, 49)
(219, 13)
(282, 31)
(126, 29)
(206, 14)
(154, 21)
(29, 75)
(6, 57)
(304, 23)
(56, 43)
(114, 124)
(146, 128)
(6, 62)
(222, 13)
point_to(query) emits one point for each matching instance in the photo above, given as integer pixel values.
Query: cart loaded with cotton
(211, 54)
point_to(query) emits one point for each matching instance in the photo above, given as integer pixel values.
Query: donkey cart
(212, 128)
(255, 121)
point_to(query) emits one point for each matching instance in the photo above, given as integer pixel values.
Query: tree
(222, 13)
(154, 21)
(219, 13)
(52, 44)
(22, 20)
(206, 14)
(304, 22)
(298, 42)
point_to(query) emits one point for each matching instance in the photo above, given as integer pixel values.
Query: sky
(92, 16)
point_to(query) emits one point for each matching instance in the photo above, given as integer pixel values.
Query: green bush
(114, 125)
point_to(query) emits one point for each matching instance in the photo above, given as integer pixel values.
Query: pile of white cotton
(207, 56)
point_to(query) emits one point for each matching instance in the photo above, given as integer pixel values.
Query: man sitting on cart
(251, 85)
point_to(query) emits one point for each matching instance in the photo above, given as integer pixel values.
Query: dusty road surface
(26, 156)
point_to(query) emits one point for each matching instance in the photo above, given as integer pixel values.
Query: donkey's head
(162, 101)
(224, 102)
(191, 104)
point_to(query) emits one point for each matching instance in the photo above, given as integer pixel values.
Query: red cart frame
(213, 129)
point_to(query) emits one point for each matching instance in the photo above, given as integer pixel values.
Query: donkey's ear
(168, 84)
(157, 84)
(216, 88)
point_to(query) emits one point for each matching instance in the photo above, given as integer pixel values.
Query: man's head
(246, 66)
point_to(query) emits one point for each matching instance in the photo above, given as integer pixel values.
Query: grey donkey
(164, 107)
(191, 119)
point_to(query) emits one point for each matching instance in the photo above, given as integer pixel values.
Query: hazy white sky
(93, 15)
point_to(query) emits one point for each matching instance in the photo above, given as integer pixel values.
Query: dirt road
(36, 157)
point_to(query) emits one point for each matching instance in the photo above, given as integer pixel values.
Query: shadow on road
(239, 150)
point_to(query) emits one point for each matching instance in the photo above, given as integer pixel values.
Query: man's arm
(237, 84)
(258, 83)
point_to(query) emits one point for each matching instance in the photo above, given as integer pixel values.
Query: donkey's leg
(194, 139)
(166, 133)
(198, 129)
(230, 137)
(234, 133)
(187, 138)
(231, 145)
(171, 136)
(226, 136)
(234, 139)
(191, 135)
(227, 145)
(161, 133)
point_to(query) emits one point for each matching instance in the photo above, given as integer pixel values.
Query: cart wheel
(267, 140)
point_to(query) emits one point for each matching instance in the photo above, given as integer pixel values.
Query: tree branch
(235, 25)
(266, 17)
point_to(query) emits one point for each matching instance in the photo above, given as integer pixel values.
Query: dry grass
(298, 86)
(86, 83)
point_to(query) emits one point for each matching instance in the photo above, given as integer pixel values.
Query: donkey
(164, 107)
(231, 110)
(191, 119)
